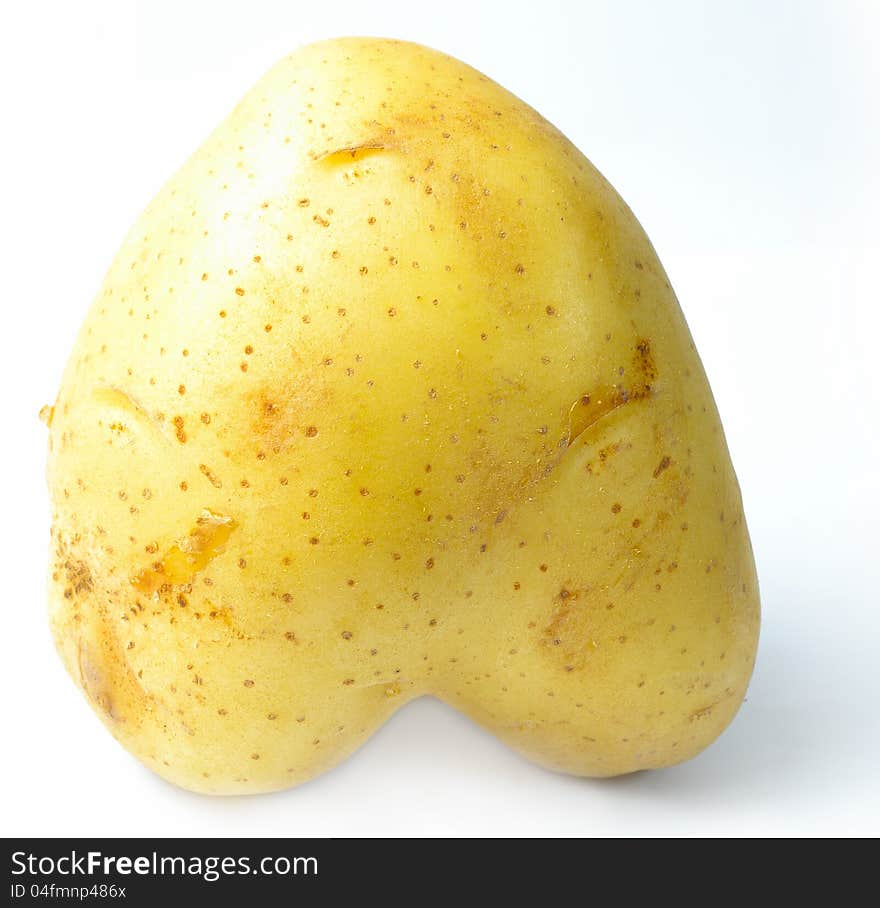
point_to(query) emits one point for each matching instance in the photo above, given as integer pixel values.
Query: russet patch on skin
(385, 395)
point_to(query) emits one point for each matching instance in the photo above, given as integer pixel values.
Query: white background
(746, 138)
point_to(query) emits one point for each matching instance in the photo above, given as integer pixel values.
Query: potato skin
(385, 395)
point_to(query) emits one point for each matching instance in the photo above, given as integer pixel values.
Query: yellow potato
(387, 394)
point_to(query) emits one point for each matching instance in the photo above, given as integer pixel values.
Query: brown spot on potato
(78, 576)
(209, 474)
(188, 556)
(346, 155)
(663, 465)
(87, 635)
(594, 406)
(569, 636)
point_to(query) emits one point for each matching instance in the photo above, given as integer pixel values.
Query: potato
(387, 395)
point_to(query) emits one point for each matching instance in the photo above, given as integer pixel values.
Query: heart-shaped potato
(386, 394)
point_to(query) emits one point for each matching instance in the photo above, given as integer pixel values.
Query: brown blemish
(210, 476)
(350, 153)
(569, 635)
(590, 408)
(94, 653)
(706, 711)
(129, 412)
(663, 465)
(77, 576)
(104, 674)
(188, 556)
(279, 413)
